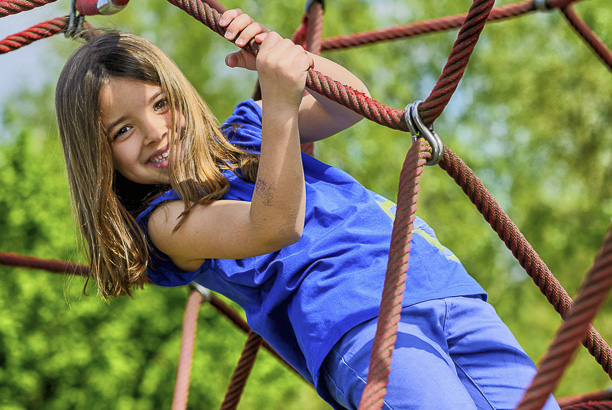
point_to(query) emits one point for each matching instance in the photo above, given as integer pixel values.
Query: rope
(604, 405)
(521, 249)
(183, 372)
(588, 302)
(589, 36)
(422, 27)
(395, 277)
(241, 374)
(583, 398)
(49, 265)
(457, 61)
(17, 6)
(32, 34)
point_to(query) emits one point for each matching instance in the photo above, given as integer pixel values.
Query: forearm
(321, 117)
(279, 198)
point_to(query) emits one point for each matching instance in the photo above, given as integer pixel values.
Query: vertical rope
(183, 373)
(574, 328)
(242, 371)
(395, 277)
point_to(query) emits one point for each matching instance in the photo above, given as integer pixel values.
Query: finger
(250, 32)
(228, 16)
(240, 59)
(237, 25)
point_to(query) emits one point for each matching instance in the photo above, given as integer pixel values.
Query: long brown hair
(105, 203)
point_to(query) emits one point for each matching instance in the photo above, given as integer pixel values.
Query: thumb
(240, 59)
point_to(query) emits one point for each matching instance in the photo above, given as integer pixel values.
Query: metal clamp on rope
(75, 22)
(541, 5)
(311, 2)
(204, 291)
(105, 7)
(419, 130)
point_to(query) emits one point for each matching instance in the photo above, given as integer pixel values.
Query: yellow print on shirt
(389, 208)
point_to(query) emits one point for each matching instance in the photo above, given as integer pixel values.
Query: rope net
(576, 327)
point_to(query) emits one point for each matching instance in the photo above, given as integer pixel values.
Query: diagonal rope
(588, 35)
(242, 371)
(588, 302)
(8, 7)
(395, 277)
(39, 31)
(522, 250)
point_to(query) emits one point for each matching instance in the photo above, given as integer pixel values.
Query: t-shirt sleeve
(243, 127)
(163, 271)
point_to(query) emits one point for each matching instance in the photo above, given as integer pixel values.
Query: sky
(26, 67)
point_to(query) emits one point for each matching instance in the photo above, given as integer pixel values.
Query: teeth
(160, 158)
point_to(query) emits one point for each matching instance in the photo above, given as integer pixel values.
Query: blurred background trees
(532, 117)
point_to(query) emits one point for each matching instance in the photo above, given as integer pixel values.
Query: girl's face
(137, 118)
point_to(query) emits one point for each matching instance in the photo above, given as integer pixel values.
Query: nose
(155, 129)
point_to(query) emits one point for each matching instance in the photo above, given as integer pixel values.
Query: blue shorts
(452, 353)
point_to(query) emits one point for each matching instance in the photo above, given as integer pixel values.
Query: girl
(159, 190)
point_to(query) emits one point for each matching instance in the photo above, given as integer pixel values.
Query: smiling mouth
(160, 156)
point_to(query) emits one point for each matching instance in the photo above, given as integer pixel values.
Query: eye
(122, 131)
(161, 104)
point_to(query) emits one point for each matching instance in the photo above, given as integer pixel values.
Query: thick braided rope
(422, 27)
(32, 34)
(8, 7)
(588, 302)
(49, 265)
(313, 22)
(241, 374)
(457, 62)
(395, 277)
(592, 405)
(584, 398)
(589, 36)
(183, 372)
(334, 90)
(314, 28)
(522, 250)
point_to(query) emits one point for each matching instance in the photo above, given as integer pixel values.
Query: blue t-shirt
(304, 297)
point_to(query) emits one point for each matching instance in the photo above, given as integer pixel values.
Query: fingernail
(228, 35)
(222, 22)
(239, 42)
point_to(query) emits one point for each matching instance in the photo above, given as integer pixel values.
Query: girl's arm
(275, 216)
(319, 117)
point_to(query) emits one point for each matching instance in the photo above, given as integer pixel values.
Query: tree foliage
(532, 117)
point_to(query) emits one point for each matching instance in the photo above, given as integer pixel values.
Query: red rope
(241, 374)
(589, 36)
(50, 265)
(583, 398)
(32, 34)
(457, 61)
(422, 27)
(604, 405)
(17, 6)
(395, 277)
(183, 372)
(588, 302)
(522, 250)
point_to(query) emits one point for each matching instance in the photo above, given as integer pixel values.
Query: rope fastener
(419, 130)
(204, 291)
(75, 22)
(541, 5)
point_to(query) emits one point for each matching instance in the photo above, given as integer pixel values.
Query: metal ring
(107, 7)
(310, 3)
(541, 4)
(204, 291)
(75, 22)
(419, 130)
